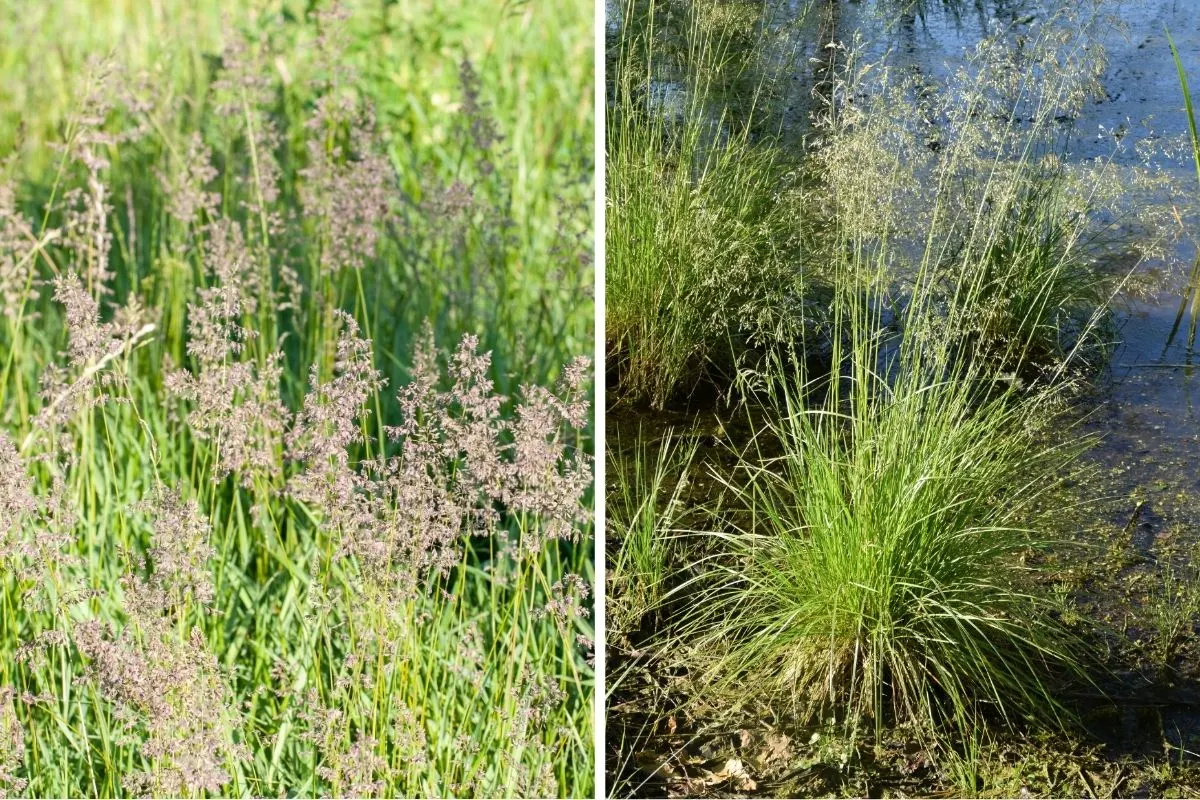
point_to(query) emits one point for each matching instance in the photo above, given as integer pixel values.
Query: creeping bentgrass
(875, 568)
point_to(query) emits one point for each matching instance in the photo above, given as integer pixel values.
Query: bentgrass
(880, 577)
(205, 593)
(703, 231)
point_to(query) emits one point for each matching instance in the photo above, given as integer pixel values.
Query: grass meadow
(861, 308)
(295, 426)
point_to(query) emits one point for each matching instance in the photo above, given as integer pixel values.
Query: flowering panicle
(357, 771)
(86, 234)
(236, 404)
(346, 186)
(16, 497)
(353, 769)
(480, 124)
(326, 427)
(534, 701)
(350, 198)
(91, 344)
(567, 600)
(548, 477)
(237, 408)
(187, 199)
(459, 462)
(328, 423)
(171, 686)
(176, 690)
(244, 93)
(12, 746)
(16, 255)
(179, 551)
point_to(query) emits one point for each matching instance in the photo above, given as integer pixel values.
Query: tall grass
(875, 558)
(703, 235)
(293, 479)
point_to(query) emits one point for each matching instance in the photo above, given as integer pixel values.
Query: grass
(872, 568)
(644, 503)
(1034, 295)
(703, 234)
(276, 523)
(878, 576)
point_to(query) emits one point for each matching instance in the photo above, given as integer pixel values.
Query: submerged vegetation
(868, 585)
(295, 484)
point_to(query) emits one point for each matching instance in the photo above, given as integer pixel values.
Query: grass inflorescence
(295, 484)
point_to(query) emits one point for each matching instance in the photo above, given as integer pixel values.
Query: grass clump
(261, 532)
(880, 575)
(702, 233)
(878, 570)
(1036, 300)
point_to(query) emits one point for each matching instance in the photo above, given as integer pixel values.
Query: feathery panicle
(12, 746)
(17, 263)
(184, 188)
(16, 496)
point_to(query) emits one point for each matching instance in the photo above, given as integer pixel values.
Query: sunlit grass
(229, 572)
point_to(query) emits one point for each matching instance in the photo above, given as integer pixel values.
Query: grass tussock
(878, 577)
(702, 224)
(875, 557)
(295, 487)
